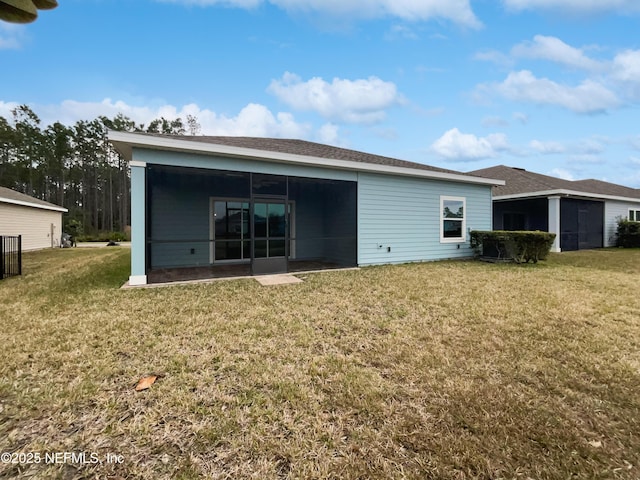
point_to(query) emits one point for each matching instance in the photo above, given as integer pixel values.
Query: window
(232, 240)
(634, 215)
(453, 219)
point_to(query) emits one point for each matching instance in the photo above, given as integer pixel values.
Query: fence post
(1, 257)
(19, 254)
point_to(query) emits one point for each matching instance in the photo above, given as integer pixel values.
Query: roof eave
(124, 142)
(565, 193)
(21, 203)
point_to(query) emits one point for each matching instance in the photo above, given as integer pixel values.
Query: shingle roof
(520, 181)
(303, 147)
(7, 193)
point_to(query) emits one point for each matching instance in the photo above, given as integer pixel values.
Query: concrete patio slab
(282, 279)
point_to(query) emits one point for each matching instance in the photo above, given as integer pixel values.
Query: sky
(552, 86)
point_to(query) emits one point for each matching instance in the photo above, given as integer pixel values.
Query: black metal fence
(10, 256)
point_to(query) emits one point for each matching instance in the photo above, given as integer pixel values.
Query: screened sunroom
(204, 222)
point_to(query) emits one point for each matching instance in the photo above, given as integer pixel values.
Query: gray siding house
(583, 213)
(210, 205)
(39, 222)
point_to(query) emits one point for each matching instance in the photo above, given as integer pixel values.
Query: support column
(554, 221)
(138, 223)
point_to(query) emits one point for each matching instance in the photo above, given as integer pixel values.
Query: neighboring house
(39, 222)
(276, 205)
(582, 213)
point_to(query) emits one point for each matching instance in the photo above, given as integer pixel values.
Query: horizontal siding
(612, 211)
(191, 160)
(403, 214)
(33, 224)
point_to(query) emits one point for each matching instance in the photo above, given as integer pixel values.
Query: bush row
(521, 247)
(628, 234)
(103, 237)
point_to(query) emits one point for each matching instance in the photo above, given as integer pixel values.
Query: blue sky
(552, 86)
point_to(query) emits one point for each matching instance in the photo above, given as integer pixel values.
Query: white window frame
(634, 215)
(463, 220)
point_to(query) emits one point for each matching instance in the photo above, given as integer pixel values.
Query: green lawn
(453, 370)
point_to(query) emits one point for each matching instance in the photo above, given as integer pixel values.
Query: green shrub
(103, 237)
(628, 233)
(519, 246)
(74, 228)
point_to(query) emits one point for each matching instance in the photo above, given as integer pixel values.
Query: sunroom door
(270, 236)
(231, 237)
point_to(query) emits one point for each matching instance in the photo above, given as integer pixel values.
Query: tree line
(75, 166)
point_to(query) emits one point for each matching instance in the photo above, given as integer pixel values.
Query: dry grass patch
(443, 370)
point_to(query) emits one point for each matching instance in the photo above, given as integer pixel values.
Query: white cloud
(555, 50)
(11, 36)
(222, 3)
(547, 148)
(586, 158)
(5, 109)
(575, 6)
(561, 173)
(494, 122)
(523, 86)
(328, 134)
(521, 117)
(457, 146)
(253, 120)
(494, 56)
(352, 101)
(590, 147)
(456, 11)
(626, 66)
(401, 31)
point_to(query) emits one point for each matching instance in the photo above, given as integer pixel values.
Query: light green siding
(138, 221)
(403, 214)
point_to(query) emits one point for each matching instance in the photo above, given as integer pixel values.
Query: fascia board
(33, 205)
(124, 143)
(565, 193)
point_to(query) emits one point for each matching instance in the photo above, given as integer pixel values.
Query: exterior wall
(39, 228)
(403, 214)
(612, 211)
(138, 226)
(400, 213)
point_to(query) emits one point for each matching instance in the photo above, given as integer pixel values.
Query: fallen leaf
(146, 382)
(595, 443)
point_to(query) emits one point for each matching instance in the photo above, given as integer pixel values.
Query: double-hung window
(453, 211)
(634, 215)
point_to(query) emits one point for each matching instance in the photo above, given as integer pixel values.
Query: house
(583, 213)
(263, 205)
(39, 222)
